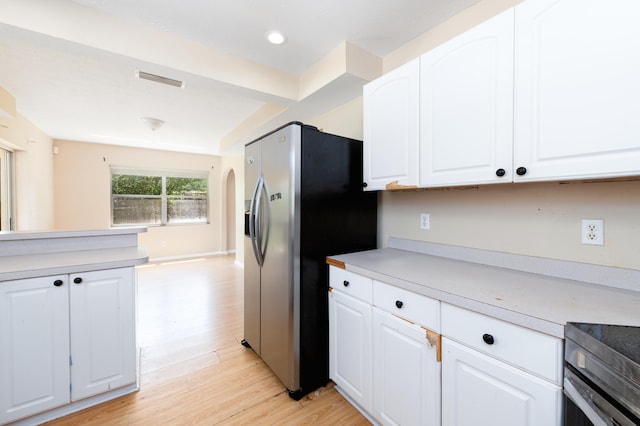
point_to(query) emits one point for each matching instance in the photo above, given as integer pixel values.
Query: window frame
(164, 198)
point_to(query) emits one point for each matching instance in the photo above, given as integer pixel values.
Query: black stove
(602, 375)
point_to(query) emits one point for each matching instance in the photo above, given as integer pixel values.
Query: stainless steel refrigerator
(304, 201)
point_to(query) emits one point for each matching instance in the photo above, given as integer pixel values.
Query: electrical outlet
(425, 221)
(593, 232)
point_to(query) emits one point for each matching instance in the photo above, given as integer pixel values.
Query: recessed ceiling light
(276, 37)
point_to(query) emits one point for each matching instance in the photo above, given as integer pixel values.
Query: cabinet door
(577, 89)
(480, 390)
(390, 148)
(466, 101)
(350, 347)
(34, 346)
(406, 373)
(103, 344)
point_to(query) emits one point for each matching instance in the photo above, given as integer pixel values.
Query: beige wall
(34, 172)
(82, 195)
(457, 24)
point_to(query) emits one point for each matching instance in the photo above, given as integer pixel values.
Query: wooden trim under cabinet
(336, 263)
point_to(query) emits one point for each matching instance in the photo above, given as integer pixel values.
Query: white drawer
(408, 305)
(535, 352)
(352, 284)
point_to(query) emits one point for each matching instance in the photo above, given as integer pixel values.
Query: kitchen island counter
(36, 254)
(67, 311)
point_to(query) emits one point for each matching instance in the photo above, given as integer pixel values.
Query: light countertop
(37, 254)
(534, 300)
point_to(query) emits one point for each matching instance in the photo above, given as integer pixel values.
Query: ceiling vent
(160, 79)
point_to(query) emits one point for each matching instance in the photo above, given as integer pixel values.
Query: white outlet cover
(592, 232)
(425, 221)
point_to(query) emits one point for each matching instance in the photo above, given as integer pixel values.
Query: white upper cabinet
(577, 100)
(466, 119)
(547, 90)
(391, 108)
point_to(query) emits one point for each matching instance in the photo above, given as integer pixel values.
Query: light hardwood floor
(194, 369)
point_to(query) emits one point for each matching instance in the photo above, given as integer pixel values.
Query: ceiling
(71, 64)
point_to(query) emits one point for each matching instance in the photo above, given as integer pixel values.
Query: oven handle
(600, 412)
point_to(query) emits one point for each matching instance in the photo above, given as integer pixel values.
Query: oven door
(584, 406)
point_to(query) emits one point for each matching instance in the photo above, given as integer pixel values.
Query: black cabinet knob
(77, 280)
(399, 304)
(488, 339)
(364, 184)
(345, 283)
(500, 172)
(521, 171)
(58, 283)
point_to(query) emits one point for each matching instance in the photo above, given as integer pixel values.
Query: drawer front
(352, 284)
(411, 306)
(535, 352)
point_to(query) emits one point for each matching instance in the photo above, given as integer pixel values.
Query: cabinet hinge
(70, 361)
(435, 340)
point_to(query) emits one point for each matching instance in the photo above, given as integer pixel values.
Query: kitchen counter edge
(539, 302)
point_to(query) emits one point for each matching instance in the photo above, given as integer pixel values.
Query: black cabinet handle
(500, 172)
(488, 339)
(345, 283)
(58, 283)
(399, 304)
(77, 280)
(521, 171)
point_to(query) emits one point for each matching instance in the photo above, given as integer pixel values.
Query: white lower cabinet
(480, 390)
(406, 373)
(34, 346)
(103, 339)
(386, 355)
(498, 373)
(350, 347)
(65, 338)
(385, 362)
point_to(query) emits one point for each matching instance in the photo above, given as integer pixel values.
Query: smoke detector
(152, 123)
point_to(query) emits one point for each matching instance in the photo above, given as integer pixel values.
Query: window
(146, 197)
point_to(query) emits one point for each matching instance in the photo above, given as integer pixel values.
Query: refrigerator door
(280, 320)
(252, 176)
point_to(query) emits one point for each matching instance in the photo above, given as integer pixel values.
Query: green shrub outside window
(158, 199)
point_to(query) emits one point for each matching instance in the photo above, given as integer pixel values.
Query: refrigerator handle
(254, 220)
(265, 222)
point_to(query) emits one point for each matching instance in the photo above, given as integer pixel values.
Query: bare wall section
(33, 175)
